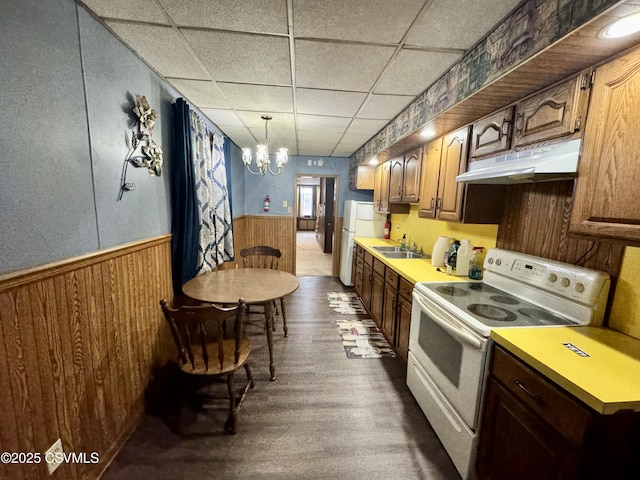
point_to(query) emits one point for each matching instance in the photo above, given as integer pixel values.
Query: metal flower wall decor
(143, 150)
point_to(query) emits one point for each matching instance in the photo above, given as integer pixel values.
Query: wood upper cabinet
(361, 177)
(556, 112)
(492, 134)
(404, 183)
(381, 188)
(606, 203)
(441, 196)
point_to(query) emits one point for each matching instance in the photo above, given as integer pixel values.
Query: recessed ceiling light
(428, 132)
(620, 28)
(374, 161)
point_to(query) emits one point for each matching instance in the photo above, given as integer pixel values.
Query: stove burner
(478, 287)
(491, 312)
(505, 300)
(452, 291)
(540, 315)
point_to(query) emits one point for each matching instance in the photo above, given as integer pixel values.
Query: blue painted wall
(281, 188)
(67, 90)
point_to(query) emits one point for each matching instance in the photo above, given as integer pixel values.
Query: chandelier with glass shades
(263, 163)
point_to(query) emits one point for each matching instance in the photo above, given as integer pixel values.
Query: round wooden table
(258, 286)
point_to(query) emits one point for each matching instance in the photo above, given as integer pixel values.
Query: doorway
(316, 209)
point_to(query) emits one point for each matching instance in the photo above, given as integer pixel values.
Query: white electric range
(451, 323)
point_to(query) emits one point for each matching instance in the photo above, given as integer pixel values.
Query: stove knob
(565, 282)
(552, 277)
(579, 287)
(490, 261)
(498, 262)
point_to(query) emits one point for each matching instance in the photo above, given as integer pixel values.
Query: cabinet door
(381, 188)
(553, 113)
(396, 169)
(389, 310)
(377, 298)
(429, 183)
(411, 177)
(606, 203)
(514, 443)
(453, 160)
(367, 277)
(492, 134)
(403, 327)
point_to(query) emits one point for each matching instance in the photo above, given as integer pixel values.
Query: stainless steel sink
(403, 254)
(389, 248)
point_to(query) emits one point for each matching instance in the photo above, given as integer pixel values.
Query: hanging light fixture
(263, 163)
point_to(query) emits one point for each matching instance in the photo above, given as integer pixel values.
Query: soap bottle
(475, 264)
(403, 243)
(464, 256)
(439, 248)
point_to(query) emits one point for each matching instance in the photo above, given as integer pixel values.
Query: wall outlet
(284, 203)
(53, 456)
(397, 227)
(289, 210)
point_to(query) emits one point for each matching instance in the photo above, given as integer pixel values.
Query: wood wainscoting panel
(536, 221)
(80, 341)
(275, 231)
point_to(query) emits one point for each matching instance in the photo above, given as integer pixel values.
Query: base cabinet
(403, 324)
(532, 429)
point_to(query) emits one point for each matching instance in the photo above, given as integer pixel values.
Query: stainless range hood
(557, 161)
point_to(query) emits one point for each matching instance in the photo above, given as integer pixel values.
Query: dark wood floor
(324, 417)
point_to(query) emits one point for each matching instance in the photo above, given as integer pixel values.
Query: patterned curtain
(216, 235)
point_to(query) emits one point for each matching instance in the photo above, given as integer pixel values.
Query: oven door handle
(453, 331)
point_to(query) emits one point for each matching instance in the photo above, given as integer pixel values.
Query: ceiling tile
(315, 148)
(412, 71)
(320, 136)
(339, 66)
(329, 102)
(265, 16)
(361, 126)
(162, 48)
(325, 124)
(341, 151)
(258, 97)
(376, 21)
(141, 10)
(240, 57)
(384, 107)
(223, 118)
(354, 141)
(460, 24)
(202, 93)
(279, 122)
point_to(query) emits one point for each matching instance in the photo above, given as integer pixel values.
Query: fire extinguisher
(267, 203)
(387, 229)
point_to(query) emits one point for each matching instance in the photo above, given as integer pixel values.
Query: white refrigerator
(359, 220)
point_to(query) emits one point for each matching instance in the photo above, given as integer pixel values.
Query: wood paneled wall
(79, 343)
(278, 232)
(536, 221)
(274, 231)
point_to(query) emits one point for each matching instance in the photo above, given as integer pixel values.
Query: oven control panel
(570, 281)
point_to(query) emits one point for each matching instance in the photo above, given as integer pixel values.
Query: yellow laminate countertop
(413, 269)
(607, 379)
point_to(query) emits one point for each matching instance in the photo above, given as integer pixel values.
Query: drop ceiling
(330, 73)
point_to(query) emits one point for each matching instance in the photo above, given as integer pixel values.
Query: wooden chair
(203, 350)
(265, 257)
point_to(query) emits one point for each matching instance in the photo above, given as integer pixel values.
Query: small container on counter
(464, 256)
(439, 248)
(475, 264)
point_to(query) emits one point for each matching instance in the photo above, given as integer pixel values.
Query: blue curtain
(184, 204)
(227, 157)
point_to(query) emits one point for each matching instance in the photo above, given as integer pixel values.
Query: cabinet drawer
(391, 277)
(368, 258)
(565, 414)
(378, 267)
(359, 251)
(405, 289)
